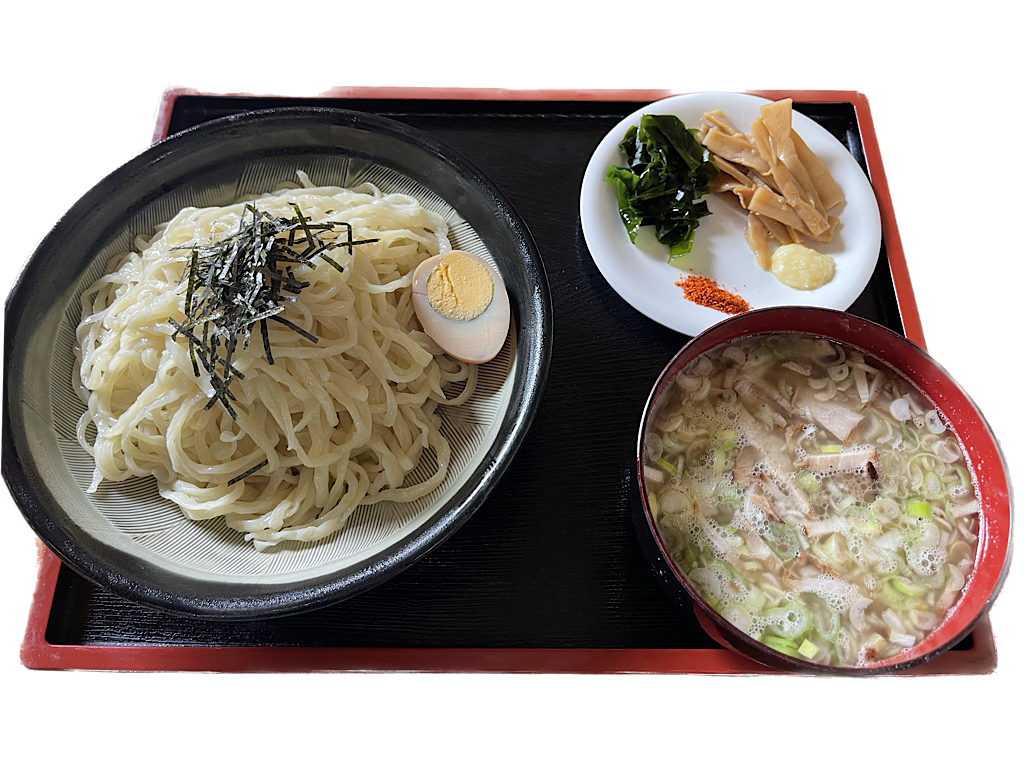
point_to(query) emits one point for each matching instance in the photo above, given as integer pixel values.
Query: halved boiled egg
(462, 304)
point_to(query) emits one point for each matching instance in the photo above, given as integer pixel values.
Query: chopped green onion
(755, 599)
(890, 596)
(783, 541)
(831, 449)
(806, 480)
(789, 621)
(907, 588)
(780, 644)
(728, 438)
(668, 466)
(965, 477)
(827, 549)
(730, 492)
(868, 525)
(887, 509)
(719, 462)
(738, 616)
(773, 592)
(919, 508)
(808, 649)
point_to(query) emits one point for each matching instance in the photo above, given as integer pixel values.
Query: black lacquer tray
(548, 575)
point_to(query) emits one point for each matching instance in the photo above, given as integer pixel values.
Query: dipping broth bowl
(977, 441)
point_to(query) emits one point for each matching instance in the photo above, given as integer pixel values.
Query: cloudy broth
(813, 497)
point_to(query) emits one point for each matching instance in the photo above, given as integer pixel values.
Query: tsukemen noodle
(813, 497)
(264, 363)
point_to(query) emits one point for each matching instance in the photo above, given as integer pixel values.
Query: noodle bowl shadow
(981, 447)
(214, 164)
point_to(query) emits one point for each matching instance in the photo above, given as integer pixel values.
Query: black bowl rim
(679, 588)
(91, 558)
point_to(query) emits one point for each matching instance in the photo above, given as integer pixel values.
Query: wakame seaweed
(667, 171)
(246, 279)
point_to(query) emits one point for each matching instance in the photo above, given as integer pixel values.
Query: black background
(964, 290)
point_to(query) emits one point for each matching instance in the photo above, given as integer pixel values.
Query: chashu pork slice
(848, 461)
(837, 419)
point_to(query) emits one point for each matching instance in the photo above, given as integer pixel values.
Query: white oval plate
(640, 272)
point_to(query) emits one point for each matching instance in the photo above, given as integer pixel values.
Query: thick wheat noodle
(340, 423)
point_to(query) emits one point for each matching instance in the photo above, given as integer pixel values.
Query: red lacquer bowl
(983, 452)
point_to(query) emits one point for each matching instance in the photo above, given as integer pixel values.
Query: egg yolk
(459, 288)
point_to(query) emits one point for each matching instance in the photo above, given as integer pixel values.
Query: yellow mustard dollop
(801, 267)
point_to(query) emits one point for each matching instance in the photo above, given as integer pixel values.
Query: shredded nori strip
(246, 279)
(248, 472)
(237, 282)
(295, 328)
(266, 341)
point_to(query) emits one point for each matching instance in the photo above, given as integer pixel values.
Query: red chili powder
(708, 293)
